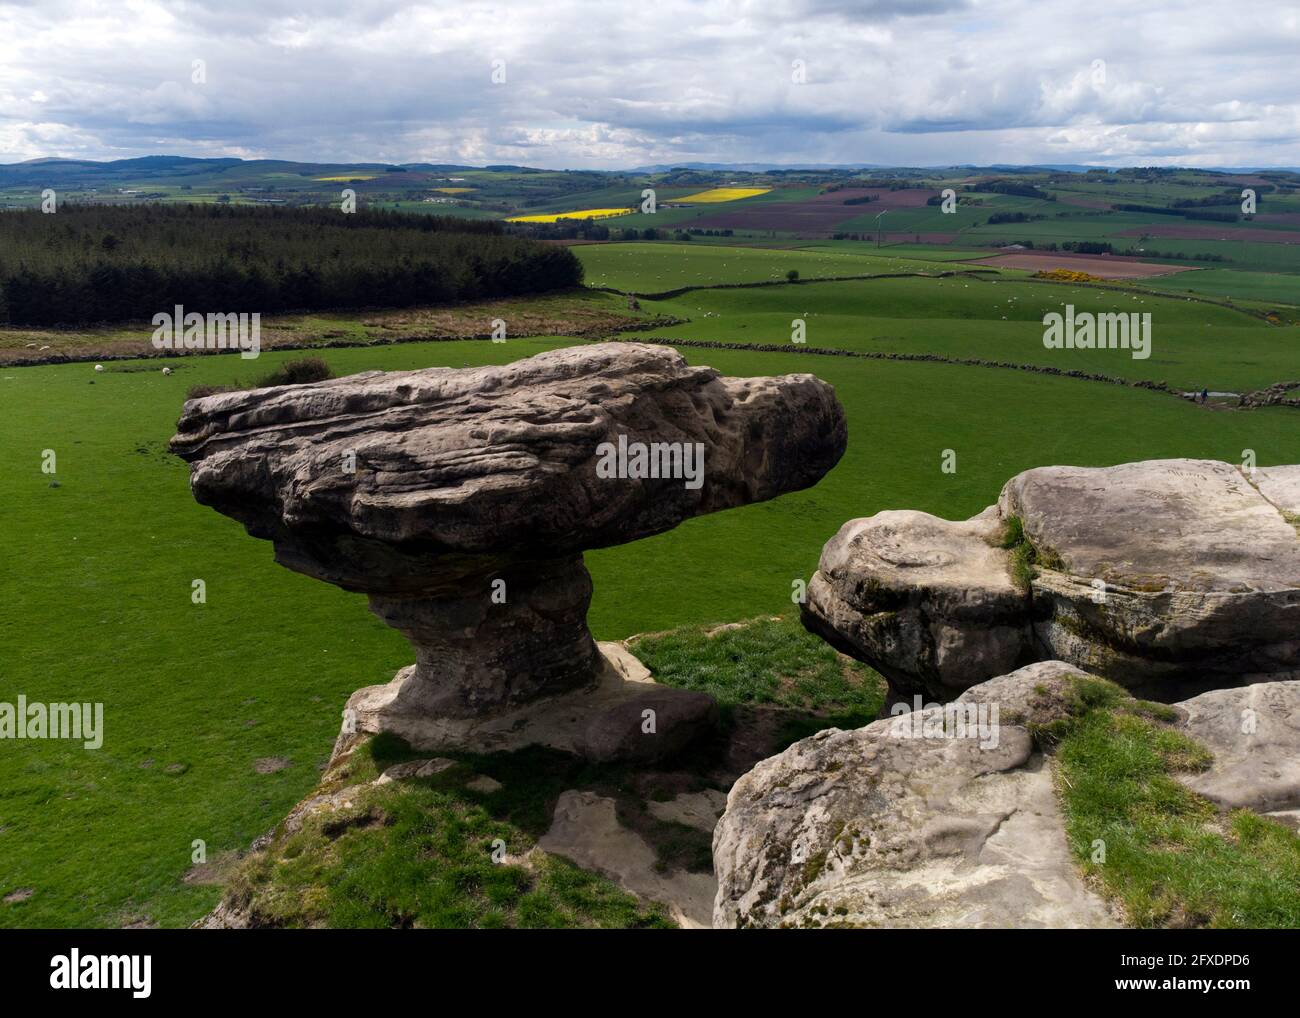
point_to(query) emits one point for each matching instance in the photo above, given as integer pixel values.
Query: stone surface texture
(1166, 576)
(461, 501)
(879, 827)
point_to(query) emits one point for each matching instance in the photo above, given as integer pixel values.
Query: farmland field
(1104, 268)
(551, 217)
(653, 268)
(199, 695)
(717, 194)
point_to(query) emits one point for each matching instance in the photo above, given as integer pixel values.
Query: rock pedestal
(460, 501)
(474, 655)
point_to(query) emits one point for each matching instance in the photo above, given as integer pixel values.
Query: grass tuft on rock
(1171, 859)
(1026, 558)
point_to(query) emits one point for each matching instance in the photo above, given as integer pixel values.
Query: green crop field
(1260, 286)
(998, 319)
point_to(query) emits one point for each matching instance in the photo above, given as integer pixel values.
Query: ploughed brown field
(818, 215)
(1217, 233)
(1103, 266)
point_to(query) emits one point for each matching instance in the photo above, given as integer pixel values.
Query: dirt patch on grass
(1102, 266)
(214, 872)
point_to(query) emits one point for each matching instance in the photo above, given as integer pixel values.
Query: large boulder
(901, 825)
(1166, 576)
(461, 501)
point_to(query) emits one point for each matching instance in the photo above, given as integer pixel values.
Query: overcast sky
(615, 84)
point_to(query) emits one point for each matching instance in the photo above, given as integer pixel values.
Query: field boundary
(1262, 316)
(982, 275)
(76, 357)
(682, 290)
(1247, 400)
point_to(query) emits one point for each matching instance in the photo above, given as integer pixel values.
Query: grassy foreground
(1160, 852)
(420, 852)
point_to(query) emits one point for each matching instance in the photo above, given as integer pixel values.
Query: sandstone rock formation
(461, 501)
(885, 827)
(1166, 576)
(909, 823)
(1254, 734)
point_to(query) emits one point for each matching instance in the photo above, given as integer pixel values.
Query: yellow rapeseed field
(550, 217)
(453, 190)
(723, 194)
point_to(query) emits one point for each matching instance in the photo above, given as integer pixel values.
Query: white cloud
(607, 85)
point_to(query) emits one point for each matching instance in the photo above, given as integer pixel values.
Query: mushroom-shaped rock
(1167, 576)
(461, 501)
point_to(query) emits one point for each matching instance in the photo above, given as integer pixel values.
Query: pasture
(196, 695)
(218, 715)
(658, 267)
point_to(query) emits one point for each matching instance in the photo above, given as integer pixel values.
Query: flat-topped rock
(461, 501)
(1167, 576)
(1162, 525)
(881, 579)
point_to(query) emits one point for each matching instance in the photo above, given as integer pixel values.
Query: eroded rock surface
(884, 827)
(1166, 576)
(585, 830)
(461, 501)
(1254, 734)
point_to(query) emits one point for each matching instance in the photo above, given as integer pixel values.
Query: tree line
(85, 265)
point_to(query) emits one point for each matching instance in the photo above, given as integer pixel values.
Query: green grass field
(96, 605)
(1234, 283)
(99, 605)
(658, 267)
(1193, 343)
